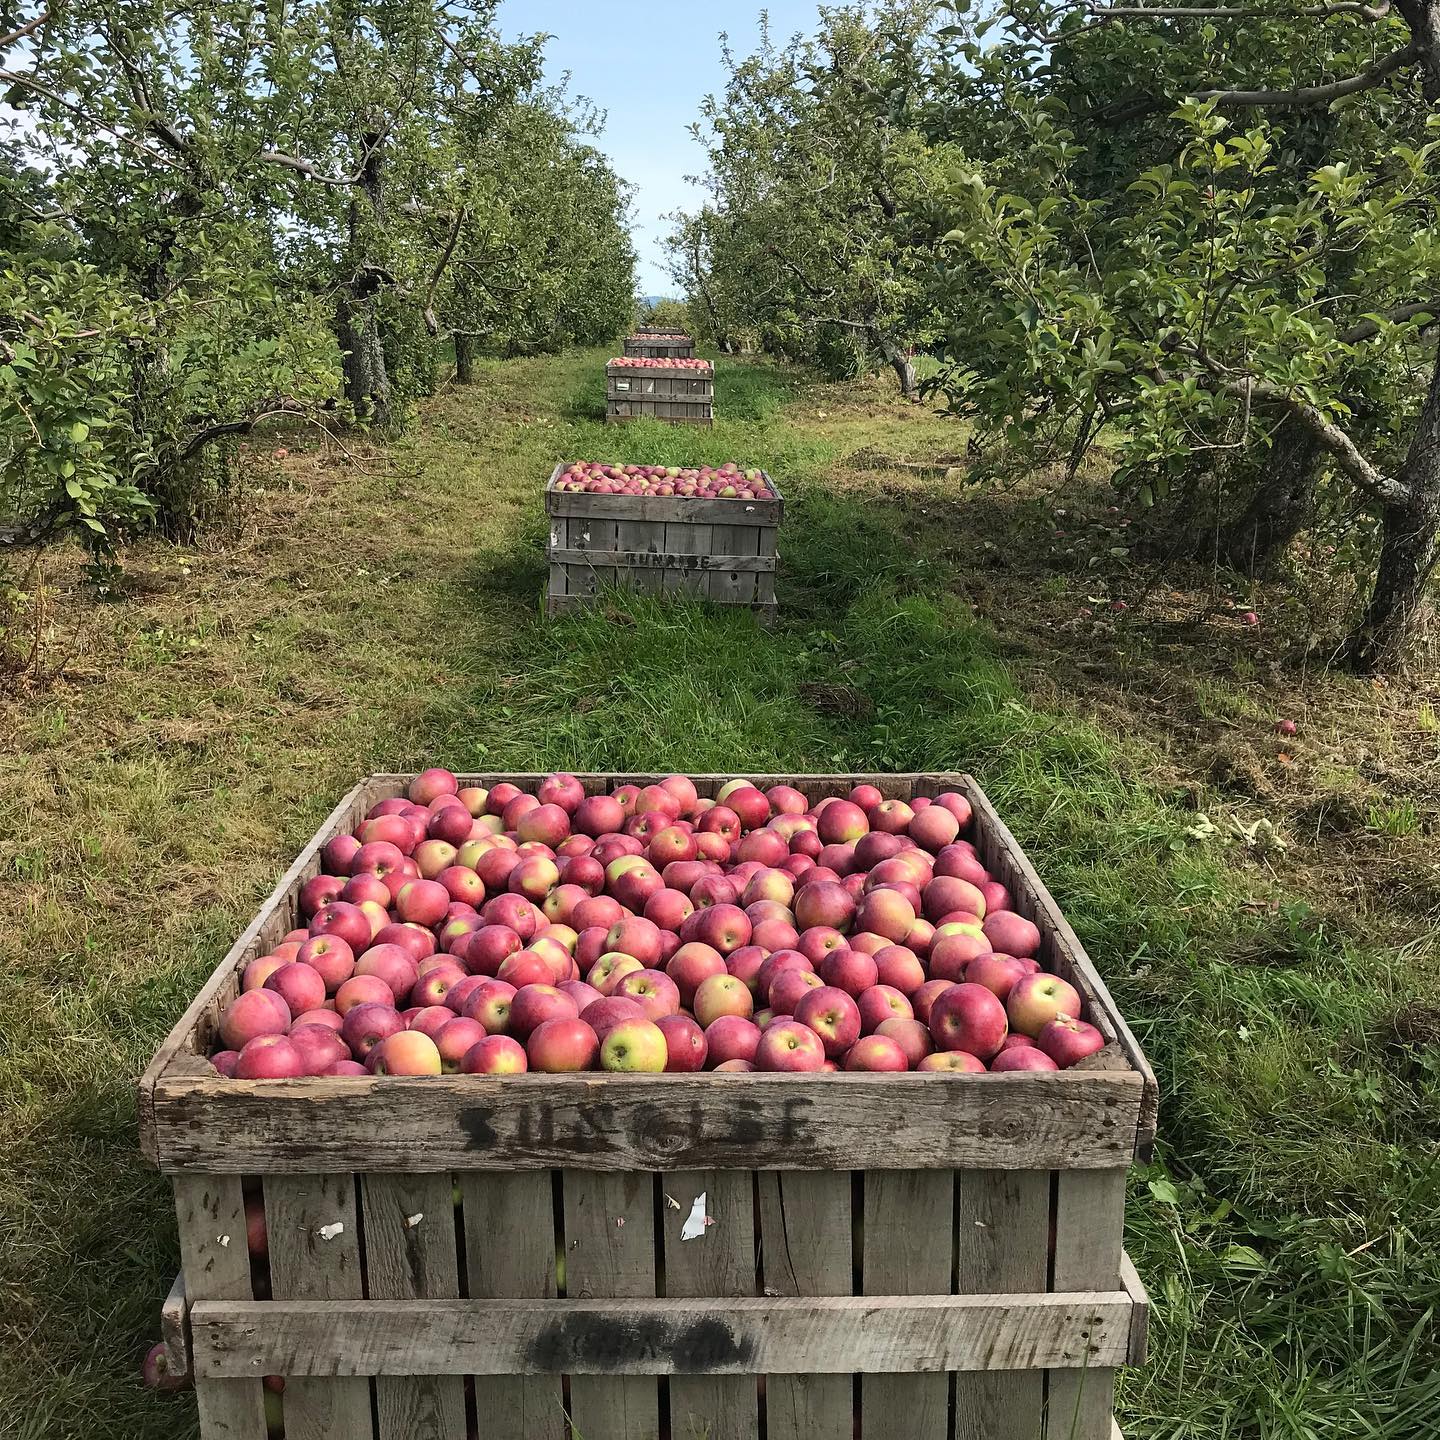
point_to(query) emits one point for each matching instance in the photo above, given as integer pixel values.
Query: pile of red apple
(659, 362)
(704, 482)
(493, 932)
(649, 335)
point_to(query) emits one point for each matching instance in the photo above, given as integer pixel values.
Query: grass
(383, 612)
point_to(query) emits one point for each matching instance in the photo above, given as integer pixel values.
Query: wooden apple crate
(723, 550)
(681, 396)
(652, 344)
(898, 1257)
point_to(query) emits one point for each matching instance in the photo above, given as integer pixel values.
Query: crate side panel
(510, 1249)
(806, 1228)
(610, 1253)
(907, 1212)
(410, 1254)
(720, 1260)
(314, 1238)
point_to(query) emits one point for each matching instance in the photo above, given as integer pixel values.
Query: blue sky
(647, 64)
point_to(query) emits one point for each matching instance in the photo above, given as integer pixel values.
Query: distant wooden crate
(660, 345)
(926, 1256)
(681, 396)
(722, 550)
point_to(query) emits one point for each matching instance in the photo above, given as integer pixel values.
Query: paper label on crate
(695, 1222)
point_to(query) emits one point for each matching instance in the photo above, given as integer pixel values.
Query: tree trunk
(898, 359)
(1408, 552)
(358, 324)
(464, 359)
(1280, 504)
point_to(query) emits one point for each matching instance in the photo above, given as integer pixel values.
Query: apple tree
(1212, 231)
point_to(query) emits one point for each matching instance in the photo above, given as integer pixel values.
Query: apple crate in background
(680, 396)
(650, 343)
(889, 1256)
(725, 551)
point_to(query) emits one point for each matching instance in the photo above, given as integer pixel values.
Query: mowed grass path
(387, 616)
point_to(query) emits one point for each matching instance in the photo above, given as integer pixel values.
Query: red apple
(319, 1046)
(900, 968)
(867, 797)
(824, 903)
(790, 1046)
(1067, 1041)
(259, 970)
(367, 1025)
(299, 985)
(610, 969)
(318, 892)
(430, 784)
(490, 1005)
(886, 912)
(338, 856)
(832, 1015)
(925, 997)
(362, 990)
(563, 790)
(968, 1017)
(251, 1015)
(561, 1047)
(934, 828)
(849, 970)
(525, 967)
(653, 990)
(731, 1037)
(1038, 999)
(637, 936)
(912, 1036)
(957, 1062)
(817, 941)
(788, 987)
(269, 1057)
(495, 1055)
(721, 995)
(1022, 1057)
(347, 921)
(1012, 934)
(841, 822)
(877, 1053)
(415, 940)
(997, 973)
(685, 1043)
(880, 1003)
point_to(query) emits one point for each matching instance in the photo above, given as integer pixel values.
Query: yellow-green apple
(610, 969)
(786, 989)
(495, 1055)
(252, 1014)
(1067, 1041)
(347, 921)
(880, 1003)
(765, 1018)
(852, 971)
(409, 1052)
(362, 990)
(997, 973)
(1012, 934)
(832, 1015)
(818, 941)
(473, 798)
(598, 815)
(690, 965)
(635, 1047)
(876, 1052)
(901, 968)
(722, 995)
(299, 985)
(637, 936)
(911, 1036)
(428, 1019)
(951, 954)
(259, 970)
(968, 1017)
(956, 1062)
(731, 1037)
(562, 1047)
(786, 800)
(934, 828)
(561, 789)
(525, 967)
(959, 922)
(684, 1042)
(429, 784)
(1037, 999)
(790, 1046)
(823, 902)
(319, 1046)
(653, 990)
(393, 965)
(490, 1005)
(534, 878)
(1022, 1057)
(367, 1025)
(482, 952)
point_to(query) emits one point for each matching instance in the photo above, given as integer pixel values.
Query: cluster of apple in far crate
(704, 482)
(495, 931)
(659, 362)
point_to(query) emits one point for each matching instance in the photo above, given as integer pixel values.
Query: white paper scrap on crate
(695, 1221)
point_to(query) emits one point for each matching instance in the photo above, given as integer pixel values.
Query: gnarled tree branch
(1315, 94)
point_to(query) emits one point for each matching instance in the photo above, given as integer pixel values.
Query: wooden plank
(684, 539)
(1134, 1287)
(510, 1254)
(184, 1034)
(609, 1252)
(314, 1239)
(819, 1342)
(651, 559)
(1002, 1243)
(665, 508)
(1089, 1245)
(805, 1250)
(720, 1261)
(410, 1254)
(210, 1215)
(730, 582)
(1066, 951)
(175, 1329)
(1018, 1120)
(909, 1230)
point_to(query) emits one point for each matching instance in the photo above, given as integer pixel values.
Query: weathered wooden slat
(820, 1340)
(1089, 1247)
(719, 1261)
(1134, 1287)
(662, 560)
(1002, 1243)
(175, 1329)
(314, 1239)
(210, 1215)
(909, 1243)
(1019, 1120)
(510, 1254)
(410, 1254)
(805, 1251)
(609, 1252)
(665, 508)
